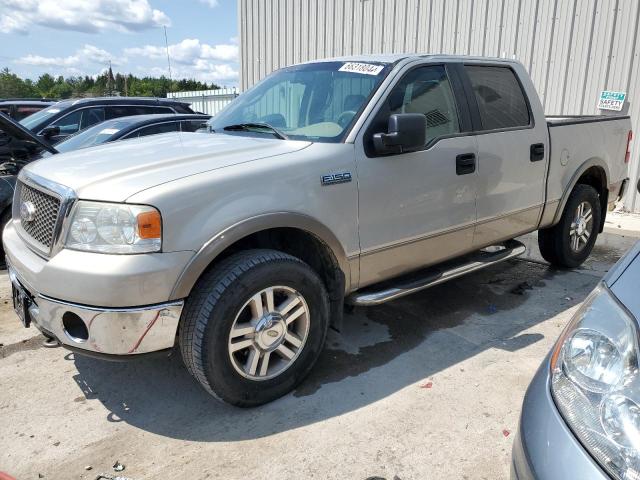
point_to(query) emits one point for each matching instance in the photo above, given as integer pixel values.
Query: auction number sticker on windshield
(109, 131)
(365, 68)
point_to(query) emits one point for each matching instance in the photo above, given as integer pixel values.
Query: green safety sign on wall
(611, 100)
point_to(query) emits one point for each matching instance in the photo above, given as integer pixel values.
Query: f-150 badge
(333, 178)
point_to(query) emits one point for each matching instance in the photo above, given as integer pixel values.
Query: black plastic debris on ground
(521, 288)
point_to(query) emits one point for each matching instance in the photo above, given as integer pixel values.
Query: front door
(417, 208)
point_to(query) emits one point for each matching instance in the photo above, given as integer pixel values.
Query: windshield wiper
(254, 126)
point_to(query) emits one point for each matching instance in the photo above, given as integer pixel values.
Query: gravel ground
(429, 386)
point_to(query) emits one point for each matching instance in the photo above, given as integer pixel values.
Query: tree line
(106, 84)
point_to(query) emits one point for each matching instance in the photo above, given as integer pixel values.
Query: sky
(79, 37)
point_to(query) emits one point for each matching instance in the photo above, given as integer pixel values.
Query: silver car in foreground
(581, 414)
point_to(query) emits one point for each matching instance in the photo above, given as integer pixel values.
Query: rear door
(512, 152)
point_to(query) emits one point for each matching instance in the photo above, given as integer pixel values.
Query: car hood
(116, 171)
(14, 129)
(623, 280)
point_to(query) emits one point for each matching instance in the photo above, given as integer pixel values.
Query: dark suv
(65, 118)
(19, 108)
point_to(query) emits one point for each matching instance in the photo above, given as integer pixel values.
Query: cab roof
(390, 58)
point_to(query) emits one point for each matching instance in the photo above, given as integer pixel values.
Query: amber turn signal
(149, 225)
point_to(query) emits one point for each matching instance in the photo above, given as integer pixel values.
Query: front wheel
(570, 242)
(254, 326)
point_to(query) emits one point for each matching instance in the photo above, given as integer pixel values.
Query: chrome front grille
(47, 208)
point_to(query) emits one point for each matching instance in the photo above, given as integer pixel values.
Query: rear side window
(121, 111)
(501, 101)
(25, 111)
(157, 128)
(193, 125)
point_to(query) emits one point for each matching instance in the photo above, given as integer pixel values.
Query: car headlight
(114, 228)
(596, 384)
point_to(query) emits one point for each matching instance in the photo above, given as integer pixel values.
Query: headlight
(596, 383)
(114, 228)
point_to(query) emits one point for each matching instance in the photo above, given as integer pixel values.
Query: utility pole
(166, 44)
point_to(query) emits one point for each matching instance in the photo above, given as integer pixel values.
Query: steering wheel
(345, 117)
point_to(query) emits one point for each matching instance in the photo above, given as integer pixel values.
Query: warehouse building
(573, 49)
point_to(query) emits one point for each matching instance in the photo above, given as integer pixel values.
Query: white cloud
(18, 16)
(211, 3)
(188, 51)
(191, 58)
(221, 74)
(86, 55)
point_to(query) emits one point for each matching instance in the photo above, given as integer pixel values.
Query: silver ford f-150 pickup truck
(352, 180)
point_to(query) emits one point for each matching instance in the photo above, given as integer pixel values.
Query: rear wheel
(254, 326)
(570, 242)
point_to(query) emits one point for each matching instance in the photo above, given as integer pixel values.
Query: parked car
(581, 413)
(132, 127)
(355, 180)
(22, 146)
(21, 108)
(67, 117)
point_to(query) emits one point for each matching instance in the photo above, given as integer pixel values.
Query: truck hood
(115, 171)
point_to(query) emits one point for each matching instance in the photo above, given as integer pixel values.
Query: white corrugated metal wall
(573, 49)
(206, 101)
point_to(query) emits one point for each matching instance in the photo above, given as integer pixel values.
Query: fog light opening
(74, 327)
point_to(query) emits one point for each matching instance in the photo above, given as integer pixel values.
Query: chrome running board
(422, 279)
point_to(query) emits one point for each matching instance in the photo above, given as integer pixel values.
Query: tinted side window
(157, 128)
(426, 90)
(501, 101)
(115, 112)
(25, 111)
(193, 125)
(91, 116)
(69, 123)
(145, 109)
(160, 110)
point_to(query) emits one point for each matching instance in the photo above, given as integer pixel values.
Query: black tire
(554, 242)
(212, 307)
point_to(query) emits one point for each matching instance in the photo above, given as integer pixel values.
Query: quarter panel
(575, 148)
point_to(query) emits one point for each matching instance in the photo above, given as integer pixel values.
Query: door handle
(465, 163)
(537, 152)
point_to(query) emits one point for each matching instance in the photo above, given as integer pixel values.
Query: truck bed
(555, 120)
(575, 140)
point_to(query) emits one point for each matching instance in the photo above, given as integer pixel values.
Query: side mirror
(406, 132)
(50, 131)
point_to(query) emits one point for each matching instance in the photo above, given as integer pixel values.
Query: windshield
(316, 102)
(34, 119)
(91, 136)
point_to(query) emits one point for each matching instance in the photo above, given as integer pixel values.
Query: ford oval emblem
(27, 212)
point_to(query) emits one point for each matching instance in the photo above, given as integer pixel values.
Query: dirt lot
(429, 386)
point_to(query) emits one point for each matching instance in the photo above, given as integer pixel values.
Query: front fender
(221, 241)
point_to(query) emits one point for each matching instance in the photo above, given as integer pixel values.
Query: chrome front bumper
(108, 331)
